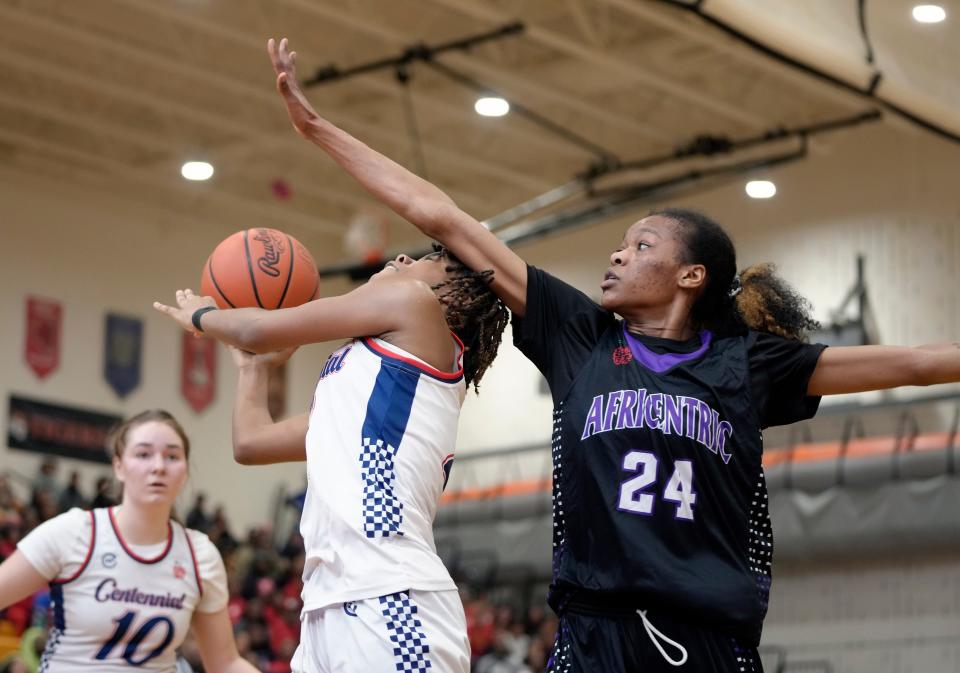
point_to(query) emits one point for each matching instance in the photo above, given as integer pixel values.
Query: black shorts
(588, 643)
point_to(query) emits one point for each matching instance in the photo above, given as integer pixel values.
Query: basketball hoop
(366, 237)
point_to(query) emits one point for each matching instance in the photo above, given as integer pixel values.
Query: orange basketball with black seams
(260, 268)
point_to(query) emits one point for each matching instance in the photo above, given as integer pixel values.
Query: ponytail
(767, 303)
(756, 299)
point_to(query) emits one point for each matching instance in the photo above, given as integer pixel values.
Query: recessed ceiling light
(196, 170)
(761, 189)
(491, 106)
(929, 13)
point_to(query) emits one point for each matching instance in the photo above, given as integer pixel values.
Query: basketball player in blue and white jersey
(127, 582)
(378, 441)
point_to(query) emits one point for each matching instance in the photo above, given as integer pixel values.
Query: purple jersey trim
(661, 362)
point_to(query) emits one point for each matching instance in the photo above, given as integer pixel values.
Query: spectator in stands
(103, 497)
(71, 496)
(45, 483)
(197, 516)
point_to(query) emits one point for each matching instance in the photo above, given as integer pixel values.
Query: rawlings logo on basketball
(259, 268)
(272, 251)
(622, 355)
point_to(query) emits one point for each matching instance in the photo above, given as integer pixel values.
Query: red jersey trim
(130, 552)
(196, 566)
(432, 371)
(86, 561)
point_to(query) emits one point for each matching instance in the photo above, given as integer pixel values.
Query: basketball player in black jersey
(662, 539)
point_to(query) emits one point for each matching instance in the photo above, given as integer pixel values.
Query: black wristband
(199, 314)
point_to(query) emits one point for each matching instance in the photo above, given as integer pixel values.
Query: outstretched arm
(856, 369)
(257, 439)
(369, 310)
(414, 199)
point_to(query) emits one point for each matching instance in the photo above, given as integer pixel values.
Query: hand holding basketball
(187, 304)
(242, 358)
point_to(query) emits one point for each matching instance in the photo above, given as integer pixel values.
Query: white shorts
(411, 631)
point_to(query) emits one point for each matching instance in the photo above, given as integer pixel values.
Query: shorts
(588, 643)
(410, 631)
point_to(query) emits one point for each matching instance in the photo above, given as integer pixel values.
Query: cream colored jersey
(121, 607)
(380, 445)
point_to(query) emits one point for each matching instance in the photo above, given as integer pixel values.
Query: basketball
(260, 268)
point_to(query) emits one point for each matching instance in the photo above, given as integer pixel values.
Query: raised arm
(855, 369)
(419, 202)
(257, 439)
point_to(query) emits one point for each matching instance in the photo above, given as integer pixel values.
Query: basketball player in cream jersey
(378, 441)
(127, 582)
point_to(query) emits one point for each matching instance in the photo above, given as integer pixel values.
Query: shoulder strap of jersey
(193, 557)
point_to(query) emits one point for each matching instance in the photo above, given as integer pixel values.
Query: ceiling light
(761, 189)
(929, 14)
(491, 106)
(196, 170)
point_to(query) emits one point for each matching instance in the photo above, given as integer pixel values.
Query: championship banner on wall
(42, 344)
(198, 370)
(123, 346)
(56, 429)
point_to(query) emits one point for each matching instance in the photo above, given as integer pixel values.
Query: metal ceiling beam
(339, 15)
(610, 62)
(564, 100)
(221, 122)
(670, 19)
(441, 109)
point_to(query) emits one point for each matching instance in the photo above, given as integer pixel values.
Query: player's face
(430, 268)
(153, 467)
(645, 268)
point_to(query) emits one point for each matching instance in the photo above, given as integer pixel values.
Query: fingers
(183, 296)
(163, 308)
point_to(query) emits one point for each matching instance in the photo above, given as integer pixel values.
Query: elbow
(244, 453)
(433, 219)
(252, 337)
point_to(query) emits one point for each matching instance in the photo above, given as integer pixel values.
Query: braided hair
(756, 299)
(474, 313)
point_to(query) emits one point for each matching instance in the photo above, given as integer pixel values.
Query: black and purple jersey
(658, 486)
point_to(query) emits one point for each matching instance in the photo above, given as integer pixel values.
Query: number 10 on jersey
(140, 633)
(635, 497)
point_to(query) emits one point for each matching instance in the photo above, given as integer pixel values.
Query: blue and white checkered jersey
(380, 444)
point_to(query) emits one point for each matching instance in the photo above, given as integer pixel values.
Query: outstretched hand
(243, 358)
(187, 303)
(298, 107)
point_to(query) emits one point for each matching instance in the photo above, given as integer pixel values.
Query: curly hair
(756, 299)
(474, 313)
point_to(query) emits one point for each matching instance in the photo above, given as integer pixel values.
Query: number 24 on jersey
(637, 494)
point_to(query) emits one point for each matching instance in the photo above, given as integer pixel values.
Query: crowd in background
(265, 584)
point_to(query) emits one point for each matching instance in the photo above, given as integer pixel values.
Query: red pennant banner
(42, 350)
(198, 371)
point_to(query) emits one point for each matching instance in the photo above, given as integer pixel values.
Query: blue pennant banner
(123, 349)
